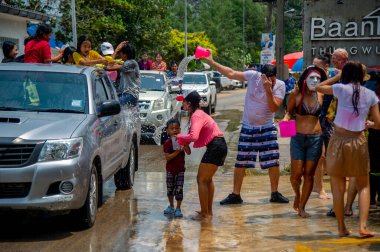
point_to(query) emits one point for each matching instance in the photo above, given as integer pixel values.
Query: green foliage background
(158, 25)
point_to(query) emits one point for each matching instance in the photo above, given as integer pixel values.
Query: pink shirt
(202, 130)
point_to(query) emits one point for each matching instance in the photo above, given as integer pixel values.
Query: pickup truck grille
(15, 154)
(144, 105)
(14, 190)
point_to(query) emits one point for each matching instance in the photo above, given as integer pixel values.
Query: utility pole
(280, 39)
(74, 23)
(185, 28)
(269, 17)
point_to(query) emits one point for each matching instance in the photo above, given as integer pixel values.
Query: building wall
(12, 27)
(329, 25)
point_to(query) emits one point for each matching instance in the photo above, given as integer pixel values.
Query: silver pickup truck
(63, 133)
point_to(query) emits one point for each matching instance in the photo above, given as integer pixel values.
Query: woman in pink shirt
(204, 132)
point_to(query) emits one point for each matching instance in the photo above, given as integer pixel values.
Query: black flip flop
(331, 213)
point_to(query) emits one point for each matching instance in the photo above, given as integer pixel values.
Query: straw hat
(365, 74)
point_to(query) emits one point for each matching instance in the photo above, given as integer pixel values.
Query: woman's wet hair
(7, 48)
(302, 80)
(194, 99)
(67, 52)
(82, 39)
(172, 121)
(129, 50)
(43, 29)
(352, 72)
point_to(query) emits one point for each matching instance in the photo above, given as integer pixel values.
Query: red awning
(290, 58)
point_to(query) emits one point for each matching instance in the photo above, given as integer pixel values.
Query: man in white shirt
(258, 136)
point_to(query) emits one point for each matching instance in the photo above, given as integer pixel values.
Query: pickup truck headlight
(158, 104)
(205, 90)
(54, 150)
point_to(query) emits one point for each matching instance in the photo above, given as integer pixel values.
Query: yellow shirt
(92, 55)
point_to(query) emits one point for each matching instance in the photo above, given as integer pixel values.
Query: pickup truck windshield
(43, 91)
(152, 82)
(194, 79)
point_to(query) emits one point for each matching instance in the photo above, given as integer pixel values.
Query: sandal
(331, 213)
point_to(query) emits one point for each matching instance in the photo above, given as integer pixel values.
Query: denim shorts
(306, 147)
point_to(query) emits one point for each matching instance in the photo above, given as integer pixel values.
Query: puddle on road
(234, 119)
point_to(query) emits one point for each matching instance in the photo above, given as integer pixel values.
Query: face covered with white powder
(312, 80)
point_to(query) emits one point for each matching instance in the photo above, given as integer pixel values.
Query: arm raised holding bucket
(229, 72)
(264, 94)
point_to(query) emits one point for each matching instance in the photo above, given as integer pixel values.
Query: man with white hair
(339, 58)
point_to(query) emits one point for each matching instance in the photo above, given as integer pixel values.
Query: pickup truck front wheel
(207, 109)
(86, 215)
(125, 177)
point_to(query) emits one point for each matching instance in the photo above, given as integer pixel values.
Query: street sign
(329, 25)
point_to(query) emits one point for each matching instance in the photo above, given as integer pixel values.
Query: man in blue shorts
(258, 136)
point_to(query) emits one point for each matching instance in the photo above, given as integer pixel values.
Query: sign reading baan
(353, 25)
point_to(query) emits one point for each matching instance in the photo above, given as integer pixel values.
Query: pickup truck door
(109, 128)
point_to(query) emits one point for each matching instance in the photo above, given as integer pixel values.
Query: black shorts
(216, 152)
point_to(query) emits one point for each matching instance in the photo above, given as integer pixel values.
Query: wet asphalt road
(132, 220)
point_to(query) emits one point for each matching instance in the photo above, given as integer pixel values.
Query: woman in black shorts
(204, 132)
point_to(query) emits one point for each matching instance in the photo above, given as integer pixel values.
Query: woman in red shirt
(37, 50)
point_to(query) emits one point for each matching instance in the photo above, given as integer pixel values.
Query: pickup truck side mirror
(212, 83)
(109, 108)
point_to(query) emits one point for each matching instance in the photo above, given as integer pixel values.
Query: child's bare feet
(366, 233)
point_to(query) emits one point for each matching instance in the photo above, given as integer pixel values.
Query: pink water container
(201, 52)
(287, 129)
(112, 75)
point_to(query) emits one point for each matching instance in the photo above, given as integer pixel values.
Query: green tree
(293, 27)
(143, 23)
(222, 22)
(175, 47)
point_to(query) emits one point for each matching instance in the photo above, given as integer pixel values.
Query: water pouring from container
(201, 52)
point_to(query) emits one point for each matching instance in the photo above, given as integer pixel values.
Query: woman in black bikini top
(306, 146)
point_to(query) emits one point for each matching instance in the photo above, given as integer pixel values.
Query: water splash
(182, 116)
(182, 67)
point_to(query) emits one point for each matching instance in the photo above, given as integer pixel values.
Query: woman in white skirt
(347, 153)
